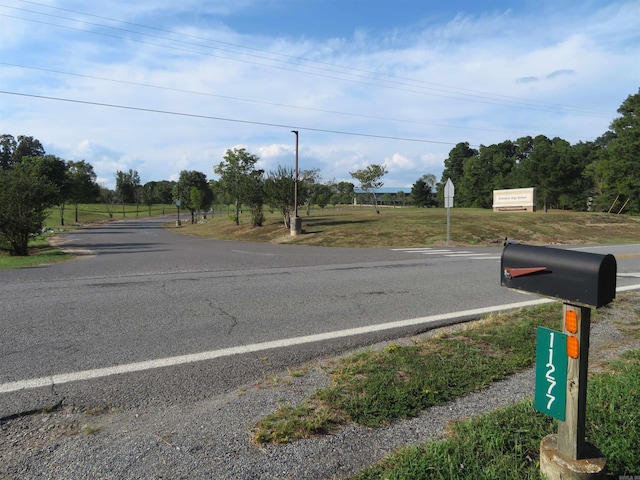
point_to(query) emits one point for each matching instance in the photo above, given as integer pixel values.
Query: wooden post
(571, 432)
(622, 208)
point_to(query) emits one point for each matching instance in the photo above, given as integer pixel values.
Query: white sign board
(515, 199)
(449, 193)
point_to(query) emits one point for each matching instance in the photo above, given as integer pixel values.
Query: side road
(211, 439)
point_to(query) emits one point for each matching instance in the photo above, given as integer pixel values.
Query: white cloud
(399, 162)
(481, 79)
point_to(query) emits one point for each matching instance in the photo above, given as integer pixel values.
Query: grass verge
(376, 387)
(373, 388)
(506, 442)
(40, 253)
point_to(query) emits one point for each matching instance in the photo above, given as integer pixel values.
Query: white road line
(255, 253)
(445, 253)
(608, 247)
(434, 320)
(627, 288)
(425, 251)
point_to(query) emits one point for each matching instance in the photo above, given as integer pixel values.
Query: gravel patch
(212, 438)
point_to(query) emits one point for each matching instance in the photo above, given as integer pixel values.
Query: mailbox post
(571, 441)
(583, 281)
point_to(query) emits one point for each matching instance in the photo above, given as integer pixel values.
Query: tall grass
(505, 443)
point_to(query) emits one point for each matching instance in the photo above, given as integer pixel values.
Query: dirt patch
(62, 242)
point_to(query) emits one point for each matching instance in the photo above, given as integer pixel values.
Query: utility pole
(296, 222)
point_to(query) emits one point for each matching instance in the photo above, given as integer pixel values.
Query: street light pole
(296, 224)
(295, 195)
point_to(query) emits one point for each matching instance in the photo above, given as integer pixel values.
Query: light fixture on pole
(296, 223)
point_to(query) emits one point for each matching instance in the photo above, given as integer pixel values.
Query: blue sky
(164, 86)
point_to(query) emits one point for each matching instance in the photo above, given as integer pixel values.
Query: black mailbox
(575, 277)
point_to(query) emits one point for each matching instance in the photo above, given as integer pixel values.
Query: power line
(478, 97)
(348, 68)
(224, 119)
(260, 102)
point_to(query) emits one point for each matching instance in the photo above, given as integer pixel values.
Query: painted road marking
(443, 252)
(425, 250)
(434, 320)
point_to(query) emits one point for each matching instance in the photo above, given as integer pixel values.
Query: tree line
(241, 185)
(32, 182)
(602, 175)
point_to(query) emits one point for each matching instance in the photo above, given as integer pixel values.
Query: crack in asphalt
(223, 312)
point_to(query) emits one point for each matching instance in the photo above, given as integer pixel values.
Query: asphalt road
(148, 316)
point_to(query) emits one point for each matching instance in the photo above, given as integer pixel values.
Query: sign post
(449, 192)
(567, 455)
(571, 431)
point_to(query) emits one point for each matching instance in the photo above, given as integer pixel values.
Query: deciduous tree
(194, 192)
(344, 193)
(109, 198)
(149, 196)
(235, 172)
(7, 148)
(370, 179)
(83, 187)
(25, 196)
(126, 185)
(308, 181)
(280, 192)
(255, 196)
(27, 147)
(55, 170)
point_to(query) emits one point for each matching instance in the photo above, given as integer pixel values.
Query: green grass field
(350, 226)
(98, 212)
(411, 227)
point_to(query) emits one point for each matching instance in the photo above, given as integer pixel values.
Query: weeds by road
(376, 387)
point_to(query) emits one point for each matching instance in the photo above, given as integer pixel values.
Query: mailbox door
(576, 277)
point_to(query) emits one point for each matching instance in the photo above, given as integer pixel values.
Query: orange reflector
(571, 321)
(573, 347)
